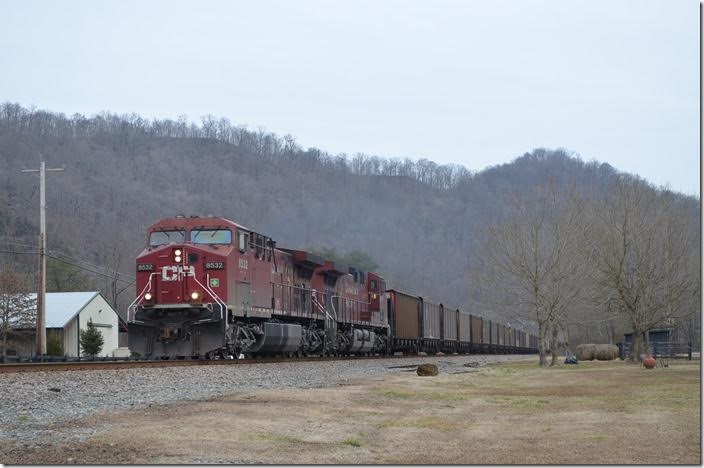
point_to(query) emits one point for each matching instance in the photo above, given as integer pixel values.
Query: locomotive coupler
(169, 334)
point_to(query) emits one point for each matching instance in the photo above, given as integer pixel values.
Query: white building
(69, 312)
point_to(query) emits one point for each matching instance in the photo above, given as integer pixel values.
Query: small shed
(654, 336)
(73, 310)
(69, 312)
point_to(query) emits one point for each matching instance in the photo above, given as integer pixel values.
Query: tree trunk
(634, 354)
(4, 343)
(553, 347)
(646, 339)
(542, 345)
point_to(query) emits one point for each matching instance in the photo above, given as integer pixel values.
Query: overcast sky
(476, 83)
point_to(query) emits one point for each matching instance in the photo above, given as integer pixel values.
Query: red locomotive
(210, 287)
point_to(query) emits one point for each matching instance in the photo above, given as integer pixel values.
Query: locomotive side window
(260, 246)
(242, 241)
(330, 281)
(253, 243)
(211, 236)
(162, 237)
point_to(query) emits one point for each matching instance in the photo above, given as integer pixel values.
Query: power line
(56, 252)
(74, 259)
(16, 252)
(115, 277)
(117, 273)
(21, 244)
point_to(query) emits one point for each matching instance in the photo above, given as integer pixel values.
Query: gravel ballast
(35, 405)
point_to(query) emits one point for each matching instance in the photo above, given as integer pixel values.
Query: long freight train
(209, 287)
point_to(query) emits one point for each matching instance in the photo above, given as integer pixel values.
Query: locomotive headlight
(177, 259)
(148, 297)
(195, 295)
(178, 252)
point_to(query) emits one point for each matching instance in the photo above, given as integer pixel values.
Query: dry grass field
(595, 412)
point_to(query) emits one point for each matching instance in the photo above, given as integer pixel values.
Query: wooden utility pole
(41, 290)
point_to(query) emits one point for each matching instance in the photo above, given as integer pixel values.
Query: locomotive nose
(189, 274)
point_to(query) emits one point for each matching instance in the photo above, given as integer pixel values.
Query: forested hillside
(420, 222)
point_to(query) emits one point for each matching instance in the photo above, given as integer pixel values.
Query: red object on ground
(649, 363)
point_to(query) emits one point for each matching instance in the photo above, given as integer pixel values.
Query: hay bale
(427, 370)
(606, 352)
(585, 352)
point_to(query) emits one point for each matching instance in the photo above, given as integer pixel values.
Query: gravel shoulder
(38, 409)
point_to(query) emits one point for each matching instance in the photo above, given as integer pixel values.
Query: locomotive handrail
(332, 304)
(139, 296)
(351, 300)
(293, 286)
(220, 302)
(223, 305)
(314, 297)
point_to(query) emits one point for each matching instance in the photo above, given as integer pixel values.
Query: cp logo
(176, 272)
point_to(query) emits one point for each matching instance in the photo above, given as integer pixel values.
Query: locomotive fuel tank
(278, 338)
(362, 341)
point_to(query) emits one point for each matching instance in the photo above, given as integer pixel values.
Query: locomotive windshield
(211, 236)
(163, 236)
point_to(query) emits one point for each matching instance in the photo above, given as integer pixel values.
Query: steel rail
(103, 365)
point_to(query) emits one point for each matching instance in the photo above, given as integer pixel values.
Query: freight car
(209, 287)
(420, 325)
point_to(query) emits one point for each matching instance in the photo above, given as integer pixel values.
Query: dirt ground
(595, 412)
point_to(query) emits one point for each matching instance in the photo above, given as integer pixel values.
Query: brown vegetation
(17, 307)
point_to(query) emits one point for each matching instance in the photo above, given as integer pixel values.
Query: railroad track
(101, 365)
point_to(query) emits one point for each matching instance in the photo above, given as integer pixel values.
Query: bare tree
(17, 307)
(639, 246)
(530, 261)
